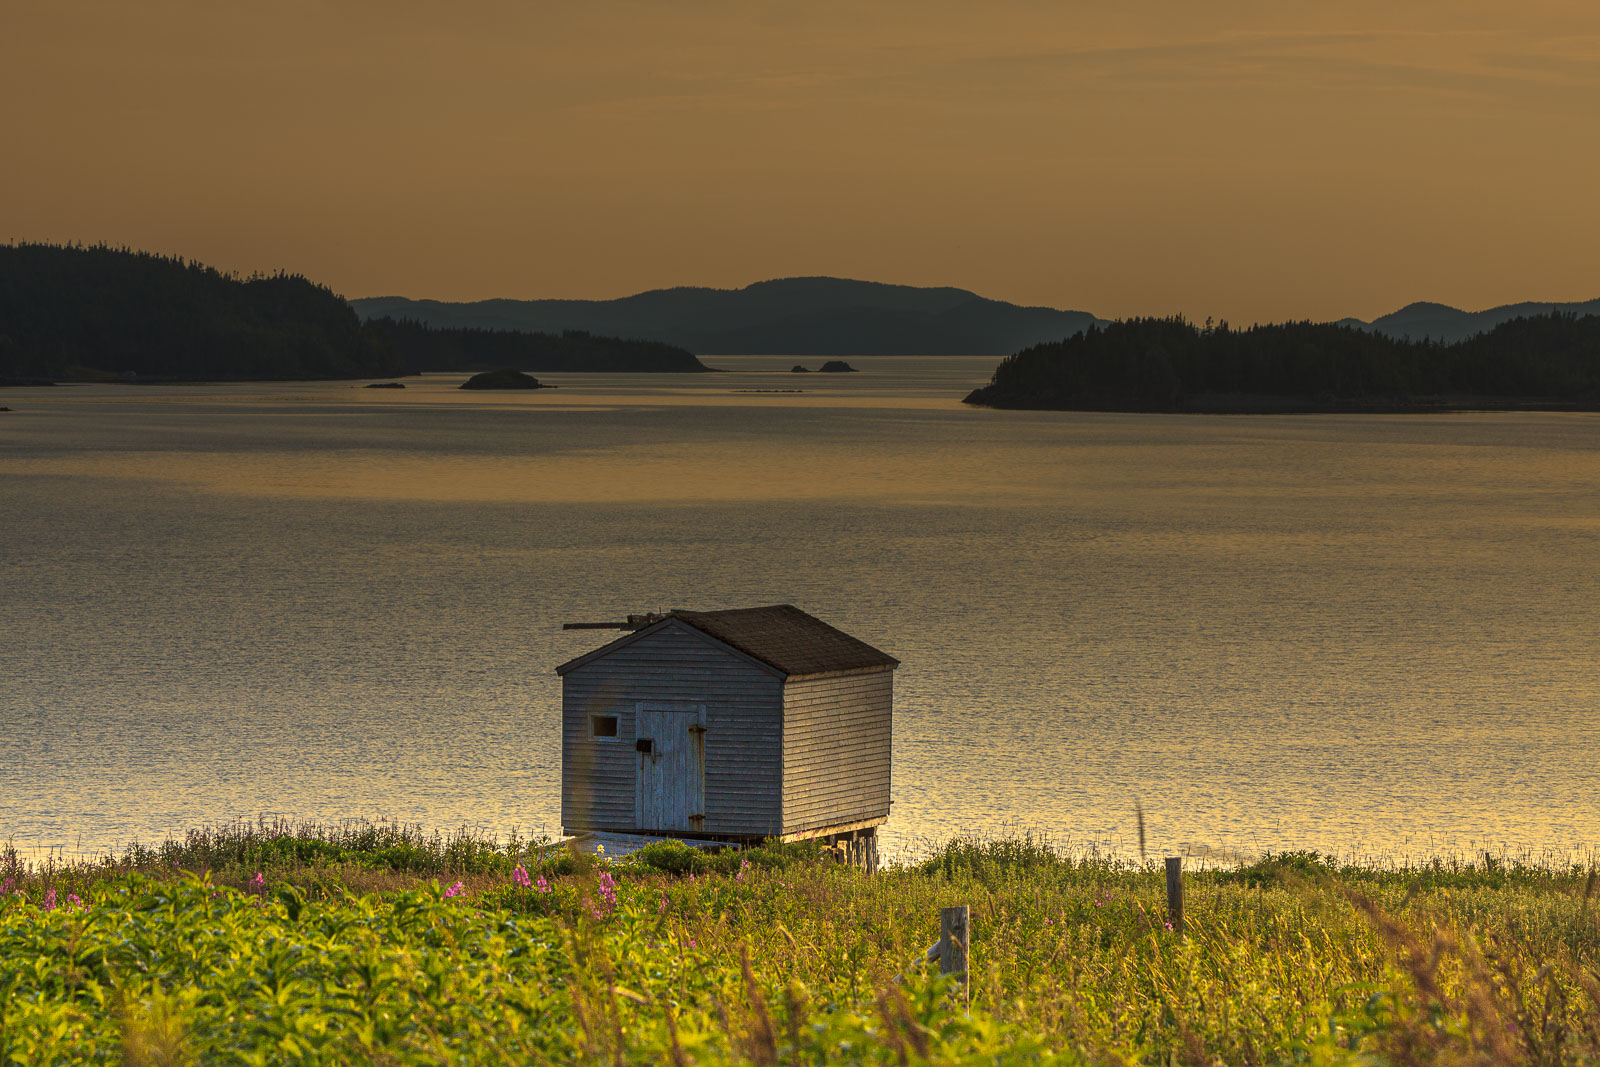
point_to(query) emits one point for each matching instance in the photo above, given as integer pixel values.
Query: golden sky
(1248, 160)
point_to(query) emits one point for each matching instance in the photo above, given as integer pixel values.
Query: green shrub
(671, 857)
(1273, 868)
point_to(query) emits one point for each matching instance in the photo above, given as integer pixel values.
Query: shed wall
(744, 706)
(836, 749)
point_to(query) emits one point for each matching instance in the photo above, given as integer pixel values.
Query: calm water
(1375, 635)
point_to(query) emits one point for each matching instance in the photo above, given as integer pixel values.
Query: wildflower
(662, 910)
(74, 901)
(519, 877)
(541, 885)
(1049, 921)
(50, 900)
(744, 865)
(455, 891)
(599, 850)
(608, 889)
(1167, 925)
(258, 884)
(691, 943)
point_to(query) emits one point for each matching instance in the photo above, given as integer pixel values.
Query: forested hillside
(74, 312)
(101, 313)
(1173, 365)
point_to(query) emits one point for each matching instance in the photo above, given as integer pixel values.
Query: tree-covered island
(1544, 361)
(464, 348)
(111, 314)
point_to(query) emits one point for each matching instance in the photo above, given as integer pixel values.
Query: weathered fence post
(1175, 893)
(953, 940)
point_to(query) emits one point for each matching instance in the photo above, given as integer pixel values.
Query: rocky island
(503, 379)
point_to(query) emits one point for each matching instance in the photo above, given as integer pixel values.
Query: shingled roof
(784, 637)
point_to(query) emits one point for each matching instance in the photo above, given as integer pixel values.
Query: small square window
(603, 725)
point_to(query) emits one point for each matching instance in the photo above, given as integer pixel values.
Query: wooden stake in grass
(953, 944)
(1138, 812)
(1175, 894)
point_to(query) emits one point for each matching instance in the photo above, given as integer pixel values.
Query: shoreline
(1266, 404)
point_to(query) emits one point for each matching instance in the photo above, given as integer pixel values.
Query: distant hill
(1544, 361)
(103, 313)
(1440, 322)
(789, 316)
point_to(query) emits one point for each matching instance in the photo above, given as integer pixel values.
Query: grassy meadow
(374, 943)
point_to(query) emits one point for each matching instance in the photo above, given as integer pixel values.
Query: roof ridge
(787, 638)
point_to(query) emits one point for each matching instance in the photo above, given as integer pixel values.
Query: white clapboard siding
(837, 732)
(674, 666)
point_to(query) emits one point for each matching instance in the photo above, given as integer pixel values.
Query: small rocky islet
(504, 379)
(833, 366)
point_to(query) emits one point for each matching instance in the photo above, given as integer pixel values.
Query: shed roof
(785, 637)
(781, 636)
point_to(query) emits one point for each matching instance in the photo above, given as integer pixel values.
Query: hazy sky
(1239, 159)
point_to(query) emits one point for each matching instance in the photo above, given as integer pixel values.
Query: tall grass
(425, 948)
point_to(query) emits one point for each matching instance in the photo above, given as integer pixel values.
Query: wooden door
(670, 754)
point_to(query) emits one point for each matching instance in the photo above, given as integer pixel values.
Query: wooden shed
(730, 725)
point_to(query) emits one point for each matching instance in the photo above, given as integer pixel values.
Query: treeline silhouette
(98, 312)
(77, 312)
(1170, 364)
(431, 348)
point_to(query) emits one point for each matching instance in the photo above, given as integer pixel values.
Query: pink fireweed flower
(455, 891)
(258, 884)
(74, 901)
(662, 910)
(744, 865)
(519, 877)
(1167, 925)
(50, 900)
(541, 885)
(608, 889)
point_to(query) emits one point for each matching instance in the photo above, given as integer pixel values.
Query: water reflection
(1359, 633)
